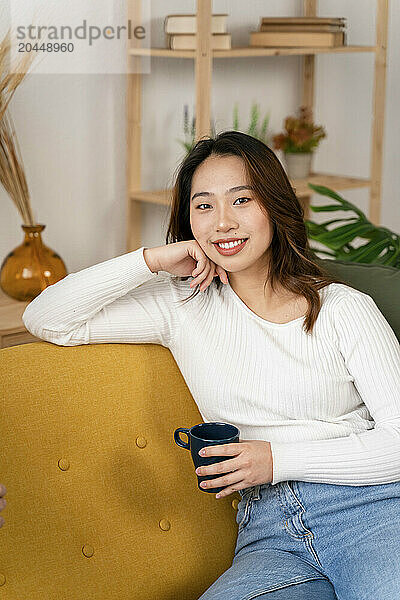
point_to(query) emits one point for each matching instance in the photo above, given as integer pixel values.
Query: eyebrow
(230, 190)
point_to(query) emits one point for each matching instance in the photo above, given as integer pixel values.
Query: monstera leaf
(382, 247)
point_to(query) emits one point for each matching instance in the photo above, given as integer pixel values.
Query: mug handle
(179, 440)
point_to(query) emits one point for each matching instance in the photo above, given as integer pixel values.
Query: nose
(225, 220)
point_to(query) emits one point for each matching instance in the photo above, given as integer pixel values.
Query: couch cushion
(380, 282)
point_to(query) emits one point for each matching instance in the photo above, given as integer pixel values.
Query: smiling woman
(315, 397)
(233, 196)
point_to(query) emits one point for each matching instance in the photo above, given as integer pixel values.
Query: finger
(225, 466)
(201, 260)
(2, 489)
(231, 479)
(221, 450)
(222, 274)
(200, 278)
(231, 489)
(208, 279)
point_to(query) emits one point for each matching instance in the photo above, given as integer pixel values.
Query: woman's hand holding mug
(185, 259)
(251, 464)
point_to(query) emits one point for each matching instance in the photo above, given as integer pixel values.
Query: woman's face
(221, 213)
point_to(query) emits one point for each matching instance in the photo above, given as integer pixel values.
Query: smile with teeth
(230, 244)
(231, 248)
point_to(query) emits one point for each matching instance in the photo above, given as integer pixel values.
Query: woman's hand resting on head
(252, 465)
(185, 259)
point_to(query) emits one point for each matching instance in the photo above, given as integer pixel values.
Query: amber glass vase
(31, 267)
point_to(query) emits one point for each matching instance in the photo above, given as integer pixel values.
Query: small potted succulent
(298, 142)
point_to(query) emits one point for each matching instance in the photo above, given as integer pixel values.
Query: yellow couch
(101, 502)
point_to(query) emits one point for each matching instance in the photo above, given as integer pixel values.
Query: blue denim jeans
(300, 540)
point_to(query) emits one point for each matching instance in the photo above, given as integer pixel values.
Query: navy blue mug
(207, 434)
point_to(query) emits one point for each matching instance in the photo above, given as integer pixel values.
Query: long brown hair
(292, 262)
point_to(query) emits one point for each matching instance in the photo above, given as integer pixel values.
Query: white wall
(71, 128)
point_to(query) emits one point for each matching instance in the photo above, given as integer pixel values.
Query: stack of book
(309, 32)
(180, 32)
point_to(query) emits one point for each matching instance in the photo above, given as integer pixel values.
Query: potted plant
(298, 142)
(190, 130)
(32, 266)
(254, 129)
(383, 247)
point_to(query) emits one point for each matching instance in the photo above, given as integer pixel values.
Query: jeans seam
(246, 515)
(306, 537)
(313, 551)
(300, 514)
(297, 499)
(299, 537)
(254, 494)
(309, 536)
(282, 505)
(285, 523)
(297, 580)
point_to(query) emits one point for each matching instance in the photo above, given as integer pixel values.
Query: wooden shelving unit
(203, 58)
(245, 52)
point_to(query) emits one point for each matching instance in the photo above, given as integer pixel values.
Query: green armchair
(101, 503)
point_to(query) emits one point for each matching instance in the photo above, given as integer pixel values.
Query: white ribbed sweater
(329, 403)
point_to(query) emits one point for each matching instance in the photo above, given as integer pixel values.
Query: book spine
(188, 24)
(303, 20)
(296, 40)
(302, 28)
(219, 41)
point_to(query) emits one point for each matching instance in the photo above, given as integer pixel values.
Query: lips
(230, 251)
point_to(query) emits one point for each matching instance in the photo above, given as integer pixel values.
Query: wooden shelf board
(249, 51)
(335, 182)
(154, 197)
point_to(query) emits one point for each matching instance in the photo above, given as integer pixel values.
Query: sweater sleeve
(371, 353)
(119, 300)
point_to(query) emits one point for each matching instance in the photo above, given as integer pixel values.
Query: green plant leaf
(354, 219)
(394, 258)
(383, 246)
(252, 130)
(367, 253)
(325, 191)
(315, 228)
(336, 238)
(391, 258)
(236, 117)
(264, 127)
(328, 208)
(323, 227)
(324, 252)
